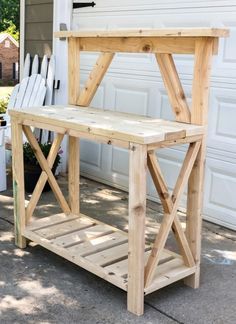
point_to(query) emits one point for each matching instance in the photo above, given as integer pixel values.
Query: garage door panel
(166, 110)
(90, 153)
(132, 95)
(229, 49)
(131, 5)
(222, 116)
(120, 161)
(131, 101)
(219, 194)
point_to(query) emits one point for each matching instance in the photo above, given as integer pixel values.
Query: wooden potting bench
(120, 258)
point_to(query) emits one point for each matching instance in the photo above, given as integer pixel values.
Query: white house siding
(133, 84)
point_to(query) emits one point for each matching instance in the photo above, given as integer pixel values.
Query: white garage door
(135, 86)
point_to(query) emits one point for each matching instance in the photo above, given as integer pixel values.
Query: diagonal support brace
(43, 177)
(169, 218)
(46, 168)
(167, 203)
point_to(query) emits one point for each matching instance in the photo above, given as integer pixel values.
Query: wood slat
(64, 228)
(50, 80)
(39, 87)
(26, 68)
(21, 92)
(49, 221)
(109, 255)
(98, 244)
(168, 273)
(82, 235)
(35, 65)
(44, 67)
(31, 83)
(121, 268)
(13, 97)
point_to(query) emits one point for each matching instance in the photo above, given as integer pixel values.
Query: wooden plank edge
(41, 223)
(164, 144)
(161, 32)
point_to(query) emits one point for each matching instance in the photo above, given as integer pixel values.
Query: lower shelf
(100, 249)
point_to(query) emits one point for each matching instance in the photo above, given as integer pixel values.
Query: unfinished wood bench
(125, 260)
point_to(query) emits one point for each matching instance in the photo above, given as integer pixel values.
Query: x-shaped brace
(170, 206)
(46, 175)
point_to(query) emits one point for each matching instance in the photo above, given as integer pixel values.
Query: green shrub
(30, 158)
(10, 83)
(3, 104)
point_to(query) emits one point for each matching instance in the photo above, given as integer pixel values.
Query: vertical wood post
(18, 183)
(73, 70)
(137, 213)
(74, 144)
(74, 174)
(200, 95)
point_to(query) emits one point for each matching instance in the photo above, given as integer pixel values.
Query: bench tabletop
(115, 125)
(161, 32)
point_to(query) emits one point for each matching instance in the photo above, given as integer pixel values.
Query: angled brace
(47, 172)
(170, 216)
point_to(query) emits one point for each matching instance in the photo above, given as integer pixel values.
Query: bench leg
(74, 175)
(199, 114)
(194, 217)
(18, 183)
(137, 213)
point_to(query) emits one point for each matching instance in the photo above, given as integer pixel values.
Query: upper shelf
(162, 32)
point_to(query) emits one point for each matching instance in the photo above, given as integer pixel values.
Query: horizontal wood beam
(159, 32)
(170, 45)
(164, 144)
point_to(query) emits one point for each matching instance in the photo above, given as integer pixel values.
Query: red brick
(8, 56)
